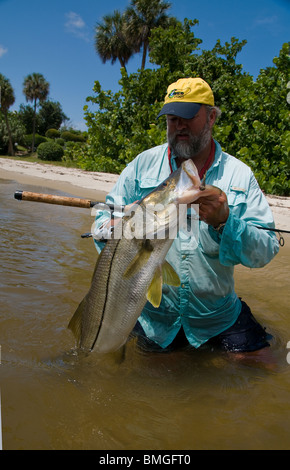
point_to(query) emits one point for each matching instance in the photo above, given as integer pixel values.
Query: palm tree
(7, 99)
(142, 17)
(112, 41)
(36, 90)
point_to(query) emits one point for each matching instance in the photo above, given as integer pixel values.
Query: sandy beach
(95, 185)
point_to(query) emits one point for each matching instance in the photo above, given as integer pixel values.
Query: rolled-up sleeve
(242, 242)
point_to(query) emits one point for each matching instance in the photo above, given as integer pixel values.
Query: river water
(54, 399)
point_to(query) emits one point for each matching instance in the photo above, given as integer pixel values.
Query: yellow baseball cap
(185, 97)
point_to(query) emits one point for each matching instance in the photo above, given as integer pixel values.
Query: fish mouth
(188, 177)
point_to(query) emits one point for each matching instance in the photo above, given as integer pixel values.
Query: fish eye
(165, 183)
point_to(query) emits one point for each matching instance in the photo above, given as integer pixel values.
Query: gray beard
(192, 148)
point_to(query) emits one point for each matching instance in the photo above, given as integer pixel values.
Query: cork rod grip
(52, 199)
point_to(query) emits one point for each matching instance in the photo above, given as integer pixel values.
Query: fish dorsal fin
(75, 324)
(154, 293)
(139, 260)
(169, 275)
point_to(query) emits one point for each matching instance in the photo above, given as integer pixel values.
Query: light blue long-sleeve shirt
(206, 303)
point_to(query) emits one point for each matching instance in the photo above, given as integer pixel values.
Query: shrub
(60, 141)
(52, 134)
(72, 137)
(50, 151)
(83, 156)
(38, 139)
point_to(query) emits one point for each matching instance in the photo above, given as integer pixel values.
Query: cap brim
(183, 110)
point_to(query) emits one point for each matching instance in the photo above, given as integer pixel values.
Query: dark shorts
(245, 335)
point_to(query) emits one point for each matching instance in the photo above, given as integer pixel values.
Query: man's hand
(213, 206)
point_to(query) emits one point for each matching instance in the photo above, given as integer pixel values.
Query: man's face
(188, 137)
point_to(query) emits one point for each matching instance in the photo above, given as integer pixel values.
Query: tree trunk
(145, 47)
(33, 126)
(10, 144)
(122, 63)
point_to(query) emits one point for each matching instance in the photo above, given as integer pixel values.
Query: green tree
(7, 99)
(17, 132)
(50, 116)
(254, 125)
(172, 47)
(143, 16)
(125, 123)
(112, 41)
(36, 90)
(263, 137)
(26, 115)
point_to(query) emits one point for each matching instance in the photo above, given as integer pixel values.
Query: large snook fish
(131, 268)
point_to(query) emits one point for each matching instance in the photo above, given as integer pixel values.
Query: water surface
(55, 399)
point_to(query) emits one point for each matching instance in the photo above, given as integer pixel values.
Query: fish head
(159, 212)
(183, 179)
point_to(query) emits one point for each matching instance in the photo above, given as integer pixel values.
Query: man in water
(205, 309)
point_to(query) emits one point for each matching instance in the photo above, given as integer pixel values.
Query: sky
(56, 39)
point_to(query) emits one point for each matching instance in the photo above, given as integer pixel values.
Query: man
(205, 308)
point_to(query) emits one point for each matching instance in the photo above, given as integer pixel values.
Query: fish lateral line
(106, 296)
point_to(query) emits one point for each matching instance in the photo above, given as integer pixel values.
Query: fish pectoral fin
(154, 293)
(169, 276)
(75, 324)
(164, 274)
(139, 260)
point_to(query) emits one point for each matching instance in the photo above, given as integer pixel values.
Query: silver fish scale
(126, 297)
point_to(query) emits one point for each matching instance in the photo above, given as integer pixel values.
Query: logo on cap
(178, 93)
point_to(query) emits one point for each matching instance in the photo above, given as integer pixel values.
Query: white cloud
(75, 24)
(270, 24)
(74, 21)
(266, 20)
(2, 50)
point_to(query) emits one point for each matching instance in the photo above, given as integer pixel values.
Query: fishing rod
(63, 200)
(87, 204)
